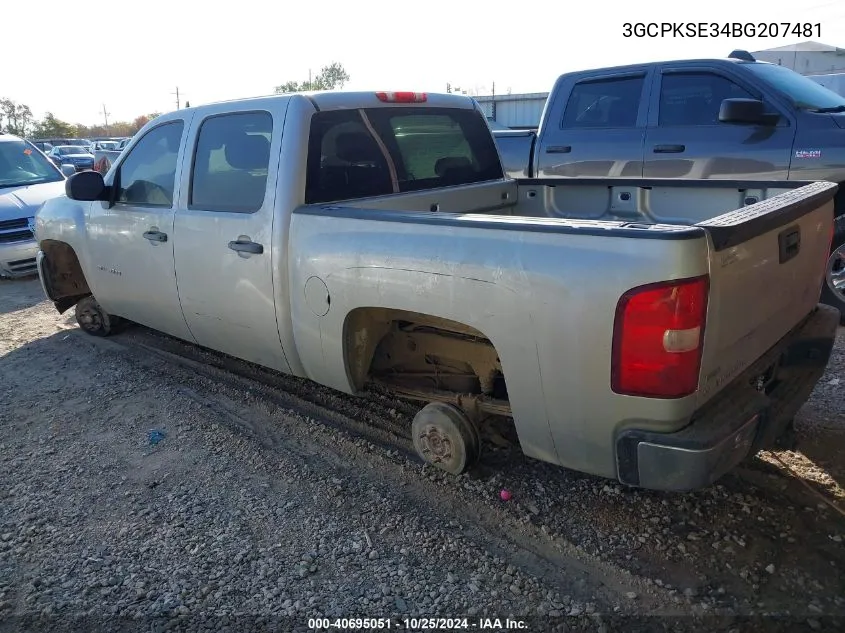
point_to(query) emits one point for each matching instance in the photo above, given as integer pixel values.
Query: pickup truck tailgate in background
(766, 274)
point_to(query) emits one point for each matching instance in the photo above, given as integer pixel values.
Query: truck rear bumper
(747, 416)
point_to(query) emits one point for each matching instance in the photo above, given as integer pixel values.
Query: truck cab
(728, 119)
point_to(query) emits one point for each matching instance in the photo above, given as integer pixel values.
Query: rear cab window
(380, 151)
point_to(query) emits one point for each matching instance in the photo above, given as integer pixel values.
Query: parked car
(73, 155)
(44, 146)
(726, 119)
(79, 142)
(655, 332)
(103, 158)
(106, 145)
(27, 179)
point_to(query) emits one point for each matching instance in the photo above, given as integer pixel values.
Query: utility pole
(178, 103)
(106, 118)
(309, 79)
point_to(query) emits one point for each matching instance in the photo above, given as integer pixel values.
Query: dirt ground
(272, 497)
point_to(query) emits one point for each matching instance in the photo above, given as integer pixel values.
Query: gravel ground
(271, 500)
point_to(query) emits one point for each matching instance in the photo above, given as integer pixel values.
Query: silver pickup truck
(725, 119)
(630, 329)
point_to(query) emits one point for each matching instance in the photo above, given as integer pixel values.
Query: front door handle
(558, 149)
(246, 247)
(155, 236)
(669, 149)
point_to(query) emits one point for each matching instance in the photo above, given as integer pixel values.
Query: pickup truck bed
(527, 272)
(357, 238)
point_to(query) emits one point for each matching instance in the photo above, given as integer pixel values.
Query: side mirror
(742, 111)
(86, 186)
(68, 170)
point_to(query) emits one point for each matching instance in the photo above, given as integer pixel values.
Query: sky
(130, 55)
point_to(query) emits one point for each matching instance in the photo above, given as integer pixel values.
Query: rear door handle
(669, 149)
(246, 247)
(155, 236)
(558, 149)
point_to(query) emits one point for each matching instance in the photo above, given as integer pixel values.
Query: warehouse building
(807, 58)
(514, 111)
(821, 61)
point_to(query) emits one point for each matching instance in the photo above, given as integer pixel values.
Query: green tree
(330, 77)
(18, 117)
(50, 126)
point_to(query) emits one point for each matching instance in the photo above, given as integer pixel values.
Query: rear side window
(609, 103)
(378, 151)
(231, 162)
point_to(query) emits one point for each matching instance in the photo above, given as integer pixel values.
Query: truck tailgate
(766, 273)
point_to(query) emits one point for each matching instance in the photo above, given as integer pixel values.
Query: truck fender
(61, 274)
(60, 231)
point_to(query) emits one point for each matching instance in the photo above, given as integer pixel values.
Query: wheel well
(424, 357)
(65, 281)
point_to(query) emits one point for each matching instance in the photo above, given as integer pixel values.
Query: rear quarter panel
(545, 297)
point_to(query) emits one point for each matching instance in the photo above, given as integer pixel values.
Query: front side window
(695, 98)
(378, 151)
(608, 103)
(147, 176)
(22, 164)
(231, 162)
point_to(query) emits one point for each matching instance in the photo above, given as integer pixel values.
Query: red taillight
(657, 339)
(402, 97)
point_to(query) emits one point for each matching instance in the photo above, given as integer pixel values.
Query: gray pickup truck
(628, 328)
(729, 119)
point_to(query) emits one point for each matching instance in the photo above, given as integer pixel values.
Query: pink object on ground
(505, 495)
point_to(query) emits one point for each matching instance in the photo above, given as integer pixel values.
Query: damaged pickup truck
(654, 332)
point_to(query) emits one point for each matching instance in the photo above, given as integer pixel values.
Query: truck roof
(338, 99)
(644, 65)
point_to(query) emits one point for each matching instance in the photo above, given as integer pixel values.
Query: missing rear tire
(445, 437)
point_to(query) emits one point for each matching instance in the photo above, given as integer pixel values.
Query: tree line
(330, 77)
(17, 118)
